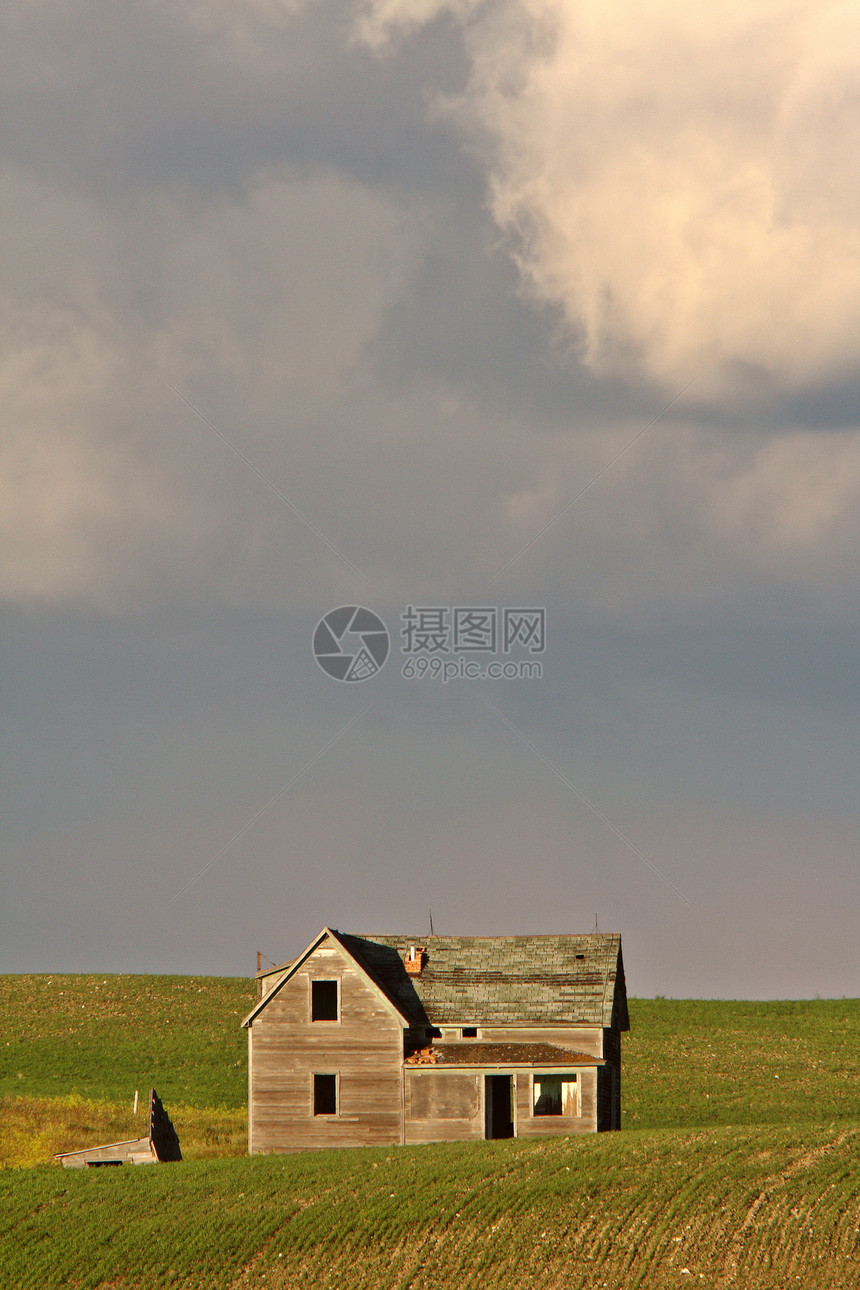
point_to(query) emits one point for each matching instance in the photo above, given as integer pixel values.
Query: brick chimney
(414, 959)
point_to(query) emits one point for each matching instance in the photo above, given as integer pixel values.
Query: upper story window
(324, 1001)
(469, 1032)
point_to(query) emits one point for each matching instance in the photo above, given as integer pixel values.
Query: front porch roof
(495, 1055)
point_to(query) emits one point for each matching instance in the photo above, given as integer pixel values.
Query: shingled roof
(501, 980)
(464, 1054)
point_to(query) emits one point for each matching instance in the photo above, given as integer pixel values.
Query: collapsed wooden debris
(161, 1145)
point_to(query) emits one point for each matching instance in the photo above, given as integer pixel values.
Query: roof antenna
(596, 928)
(430, 912)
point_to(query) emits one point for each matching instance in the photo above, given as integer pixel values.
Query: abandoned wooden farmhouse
(381, 1040)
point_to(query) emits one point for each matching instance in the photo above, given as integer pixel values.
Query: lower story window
(325, 1095)
(554, 1095)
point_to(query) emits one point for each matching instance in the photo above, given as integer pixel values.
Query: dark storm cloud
(421, 296)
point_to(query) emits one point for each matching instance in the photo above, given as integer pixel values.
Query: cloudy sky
(546, 304)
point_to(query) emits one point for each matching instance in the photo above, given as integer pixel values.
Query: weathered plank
(161, 1145)
(363, 1048)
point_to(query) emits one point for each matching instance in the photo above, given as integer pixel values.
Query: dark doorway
(499, 1106)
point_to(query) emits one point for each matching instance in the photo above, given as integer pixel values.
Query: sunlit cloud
(674, 180)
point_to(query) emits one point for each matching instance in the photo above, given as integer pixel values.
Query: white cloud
(266, 302)
(688, 519)
(676, 179)
(635, 159)
(380, 21)
(284, 288)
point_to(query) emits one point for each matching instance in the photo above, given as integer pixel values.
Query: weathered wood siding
(448, 1106)
(364, 1048)
(443, 1106)
(137, 1151)
(529, 1125)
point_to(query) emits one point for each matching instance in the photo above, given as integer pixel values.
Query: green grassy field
(75, 1048)
(102, 1037)
(692, 1062)
(739, 1162)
